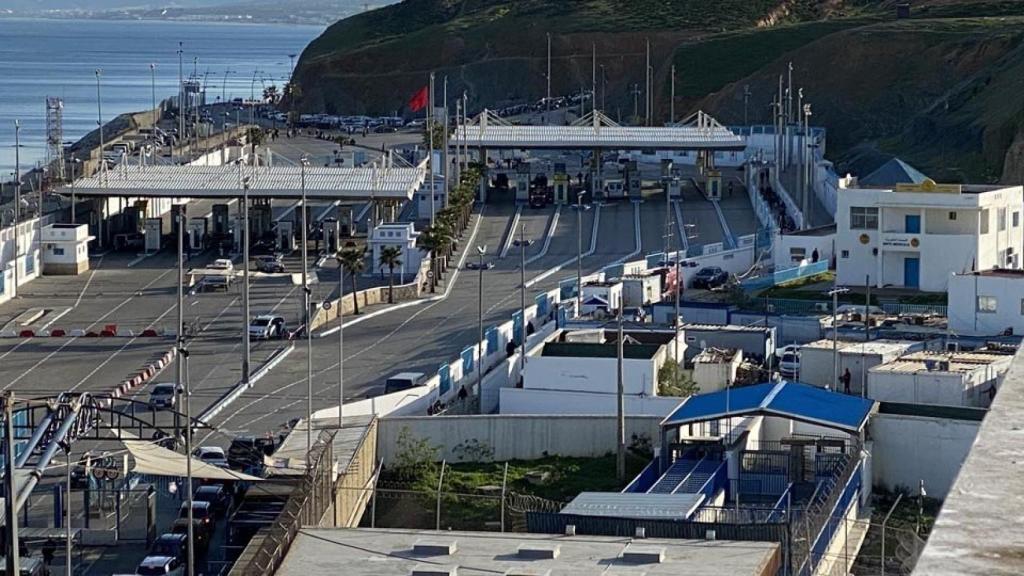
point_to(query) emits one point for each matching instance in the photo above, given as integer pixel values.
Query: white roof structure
(264, 182)
(638, 506)
(597, 131)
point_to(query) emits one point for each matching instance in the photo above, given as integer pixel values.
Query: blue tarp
(787, 399)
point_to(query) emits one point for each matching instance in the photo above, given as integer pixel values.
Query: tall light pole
(746, 102)
(181, 99)
(246, 347)
(180, 331)
(304, 161)
(834, 293)
(807, 159)
(480, 250)
(620, 452)
(604, 90)
(152, 89)
(579, 252)
(67, 513)
(341, 339)
(547, 100)
(99, 121)
(523, 243)
(224, 89)
(183, 353)
(672, 98)
(10, 495)
(17, 200)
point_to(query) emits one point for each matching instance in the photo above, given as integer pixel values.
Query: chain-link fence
(886, 550)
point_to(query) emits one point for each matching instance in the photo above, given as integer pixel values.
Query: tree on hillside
(391, 256)
(352, 259)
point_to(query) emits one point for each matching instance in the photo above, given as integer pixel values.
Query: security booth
(561, 188)
(221, 221)
(261, 217)
(331, 234)
(344, 219)
(153, 232)
(713, 184)
(522, 182)
(286, 236)
(197, 229)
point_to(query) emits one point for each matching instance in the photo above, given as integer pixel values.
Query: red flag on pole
(419, 100)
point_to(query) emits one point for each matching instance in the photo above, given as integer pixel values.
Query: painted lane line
(511, 232)
(593, 248)
(547, 237)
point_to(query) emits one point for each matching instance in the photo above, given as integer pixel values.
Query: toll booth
(344, 219)
(261, 218)
(197, 231)
(713, 184)
(221, 221)
(286, 236)
(562, 188)
(331, 233)
(522, 179)
(154, 231)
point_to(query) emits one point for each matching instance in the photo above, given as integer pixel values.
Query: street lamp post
(17, 199)
(99, 121)
(341, 341)
(523, 243)
(183, 352)
(246, 348)
(579, 252)
(480, 250)
(179, 332)
(304, 161)
(74, 162)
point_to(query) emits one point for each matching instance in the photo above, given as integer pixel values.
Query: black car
(170, 544)
(216, 495)
(248, 451)
(201, 512)
(710, 277)
(200, 533)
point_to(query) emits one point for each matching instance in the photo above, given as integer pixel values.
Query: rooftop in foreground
(363, 551)
(978, 530)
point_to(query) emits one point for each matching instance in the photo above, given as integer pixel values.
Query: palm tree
(391, 256)
(352, 260)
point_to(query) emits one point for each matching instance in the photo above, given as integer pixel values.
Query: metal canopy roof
(596, 131)
(787, 399)
(635, 505)
(264, 182)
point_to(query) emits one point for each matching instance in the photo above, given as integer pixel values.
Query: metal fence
(306, 506)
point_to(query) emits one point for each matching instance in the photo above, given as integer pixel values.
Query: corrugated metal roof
(227, 182)
(787, 399)
(638, 505)
(613, 137)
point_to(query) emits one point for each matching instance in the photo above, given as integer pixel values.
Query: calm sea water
(40, 58)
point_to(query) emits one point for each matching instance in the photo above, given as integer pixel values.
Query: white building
(605, 296)
(402, 235)
(641, 289)
(987, 302)
(28, 261)
(915, 236)
(948, 379)
(714, 368)
(65, 249)
(817, 362)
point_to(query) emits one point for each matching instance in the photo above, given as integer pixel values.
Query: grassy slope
(880, 86)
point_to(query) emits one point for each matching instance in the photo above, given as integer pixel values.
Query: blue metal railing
(646, 478)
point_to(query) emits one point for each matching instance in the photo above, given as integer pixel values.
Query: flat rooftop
(594, 350)
(957, 362)
(978, 530)
(865, 348)
(996, 273)
(378, 552)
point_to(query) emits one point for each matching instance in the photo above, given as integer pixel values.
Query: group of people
(775, 203)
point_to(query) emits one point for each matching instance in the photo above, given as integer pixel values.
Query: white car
(789, 362)
(266, 326)
(222, 264)
(160, 566)
(213, 455)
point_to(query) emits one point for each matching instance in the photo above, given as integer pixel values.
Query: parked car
(269, 263)
(162, 396)
(170, 544)
(160, 566)
(216, 495)
(222, 264)
(404, 381)
(265, 326)
(202, 512)
(199, 532)
(213, 455)
(216, 282)
(710, 277)
(789, 362)
(248, 451)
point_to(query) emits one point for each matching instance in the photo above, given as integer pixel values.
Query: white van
(403, 381)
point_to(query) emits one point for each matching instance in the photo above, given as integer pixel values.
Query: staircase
(698, 477)
(672, 477)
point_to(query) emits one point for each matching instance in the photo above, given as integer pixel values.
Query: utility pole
(835, 292)
(10, 494)
(604, 90)
(341, 340)
(430, 158)
(522, 296)
(867, 334)
(620, 453)
(647, 88)
(183, 352)
(579, 252)
(636, 102)
(593, 77)
(246, 345)
(746, 103)
(181, 99)
(446, 171)
(99, 123)
(480, 250)
(180, 331)
(806, 162)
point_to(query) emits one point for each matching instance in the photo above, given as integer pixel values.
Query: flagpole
(430, 141)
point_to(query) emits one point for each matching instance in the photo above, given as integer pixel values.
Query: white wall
(523, 401)
(598, 375)
(964, 316)
(783, 245)
(935, 387)
(908, 449)
(514, 437)
(28, 247)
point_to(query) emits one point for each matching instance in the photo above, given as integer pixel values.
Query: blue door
(912, 223)
(911, 272)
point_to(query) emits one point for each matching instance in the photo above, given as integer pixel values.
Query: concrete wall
(349, 498)
(908, 449)
(591, 375)
(523, 401)
(964, 316)
(935, 387)
(788, 329)
(29, 262)
(514, 437)
(784, 245)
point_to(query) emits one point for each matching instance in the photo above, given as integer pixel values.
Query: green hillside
(939, 88)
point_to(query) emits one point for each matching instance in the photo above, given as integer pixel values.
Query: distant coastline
(148, 16)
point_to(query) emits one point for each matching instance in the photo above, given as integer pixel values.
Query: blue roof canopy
(787, 399)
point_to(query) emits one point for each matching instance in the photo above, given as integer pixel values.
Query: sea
(42, 58)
